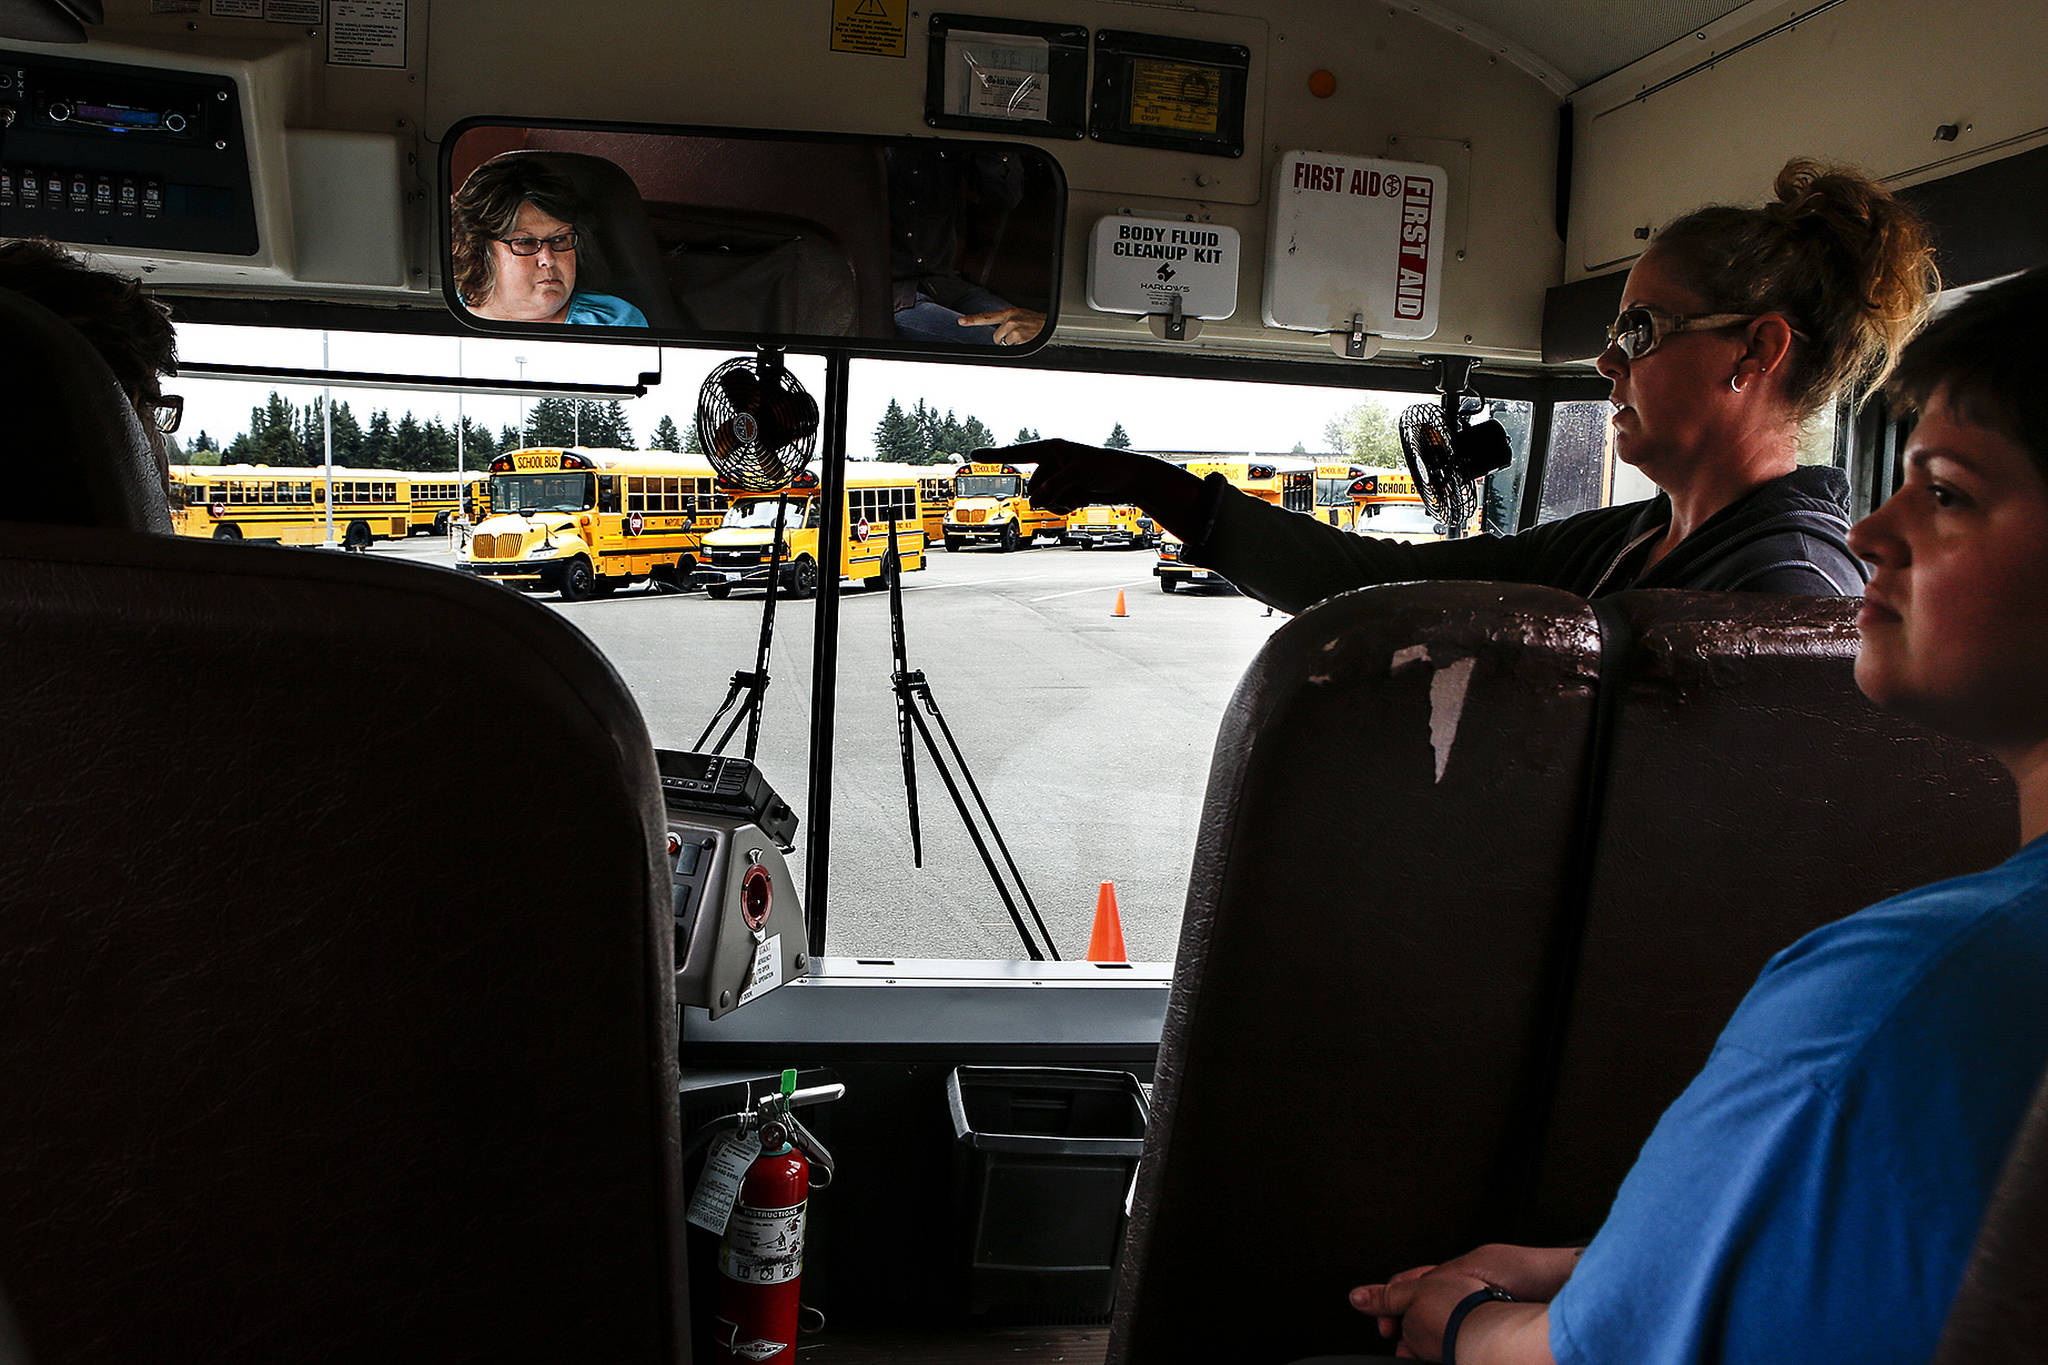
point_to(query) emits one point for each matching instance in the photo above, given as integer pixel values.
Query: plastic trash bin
(1045, 1158)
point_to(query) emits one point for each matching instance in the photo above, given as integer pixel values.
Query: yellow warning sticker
(873, 27)
(1183, 97)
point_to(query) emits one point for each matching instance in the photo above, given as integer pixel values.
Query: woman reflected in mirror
(515, 239)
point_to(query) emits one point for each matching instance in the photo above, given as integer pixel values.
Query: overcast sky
(1159, 414)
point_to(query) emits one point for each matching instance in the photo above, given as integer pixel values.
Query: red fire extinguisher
(761, 1257)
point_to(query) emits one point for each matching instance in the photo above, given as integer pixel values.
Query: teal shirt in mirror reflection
(603, 310)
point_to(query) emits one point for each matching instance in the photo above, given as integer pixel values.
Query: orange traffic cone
(1106, 940)
(1119, 612)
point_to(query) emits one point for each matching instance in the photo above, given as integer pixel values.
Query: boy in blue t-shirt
(1814, 1193)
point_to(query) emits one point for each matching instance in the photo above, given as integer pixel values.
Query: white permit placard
(1356, 236)
(1141, 265)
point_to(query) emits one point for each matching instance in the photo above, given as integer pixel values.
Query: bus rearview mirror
(626, 233)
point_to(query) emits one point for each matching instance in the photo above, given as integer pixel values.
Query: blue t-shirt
(1814, 1193)
(604, 310)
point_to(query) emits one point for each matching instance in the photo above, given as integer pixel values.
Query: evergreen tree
(693, 444)
(439, 443)
(376, 449)
(1119, 439)
(478, 447)
(1299, 449)
(348, 436)
(551, 422)
(897, 436)
(975, 435)
(408, 444)
(1026, 434)
(273, 434)
(666, 437)
(926, 420)
(617, 427)
(203, 450)
(510, 439)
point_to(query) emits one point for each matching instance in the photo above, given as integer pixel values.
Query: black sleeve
(1291, 561)
(1804, 566)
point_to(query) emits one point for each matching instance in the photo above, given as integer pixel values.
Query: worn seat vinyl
(1383, 856)
(1462, 1027)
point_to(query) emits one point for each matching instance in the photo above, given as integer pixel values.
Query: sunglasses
(1640, 330)
(530, 246)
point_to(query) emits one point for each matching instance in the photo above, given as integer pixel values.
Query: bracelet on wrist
(1464, 1308)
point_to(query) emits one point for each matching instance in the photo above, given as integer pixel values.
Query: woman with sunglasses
(515, 243)
(1737, 326)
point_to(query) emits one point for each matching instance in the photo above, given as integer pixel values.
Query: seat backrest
(1473, 1030)
(324, 1031)
(76, 452)
(806, 221)
(2000, 1315)
(1383, 855)
(1751, 794)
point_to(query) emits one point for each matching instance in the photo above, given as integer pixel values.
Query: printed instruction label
(764, 1246)
(366, 33)
(236, 9)
(999, 77)
(766, 974)
(873, 28)
(718, 1189)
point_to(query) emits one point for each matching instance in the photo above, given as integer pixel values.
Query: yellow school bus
(935, 488)
(438, 498)
(989, 503)
(1285, 481)
(1124, 524)
(587, 522)
(288, 506)
(1334, 503)
(738, 553)
(1389, 507)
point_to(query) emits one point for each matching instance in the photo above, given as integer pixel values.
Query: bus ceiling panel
(1904, 90)
(40, 21)
(637, 233)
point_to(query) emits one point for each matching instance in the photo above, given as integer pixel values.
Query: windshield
(1333, 492)
(1396, 518)
(987, 486)
(541, 492)
(1050, 637)
(758, 514)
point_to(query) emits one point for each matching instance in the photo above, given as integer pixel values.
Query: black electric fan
(758, 427)
(1448, 453)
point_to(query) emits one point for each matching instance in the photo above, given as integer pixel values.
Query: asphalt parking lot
(1089, 734)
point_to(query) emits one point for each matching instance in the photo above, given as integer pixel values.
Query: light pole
(520, 361)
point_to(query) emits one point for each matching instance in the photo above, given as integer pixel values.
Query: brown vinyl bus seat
(1462, 1029)
(337, 1017)
(1383, 856)
(1752, 794)
(82, 460)
(2000, 1315)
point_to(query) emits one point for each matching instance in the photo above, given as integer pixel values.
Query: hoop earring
(1734, 381)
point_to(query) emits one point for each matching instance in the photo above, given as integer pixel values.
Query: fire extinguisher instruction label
(763, 1246)
(766, 974)
(718, 1189)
